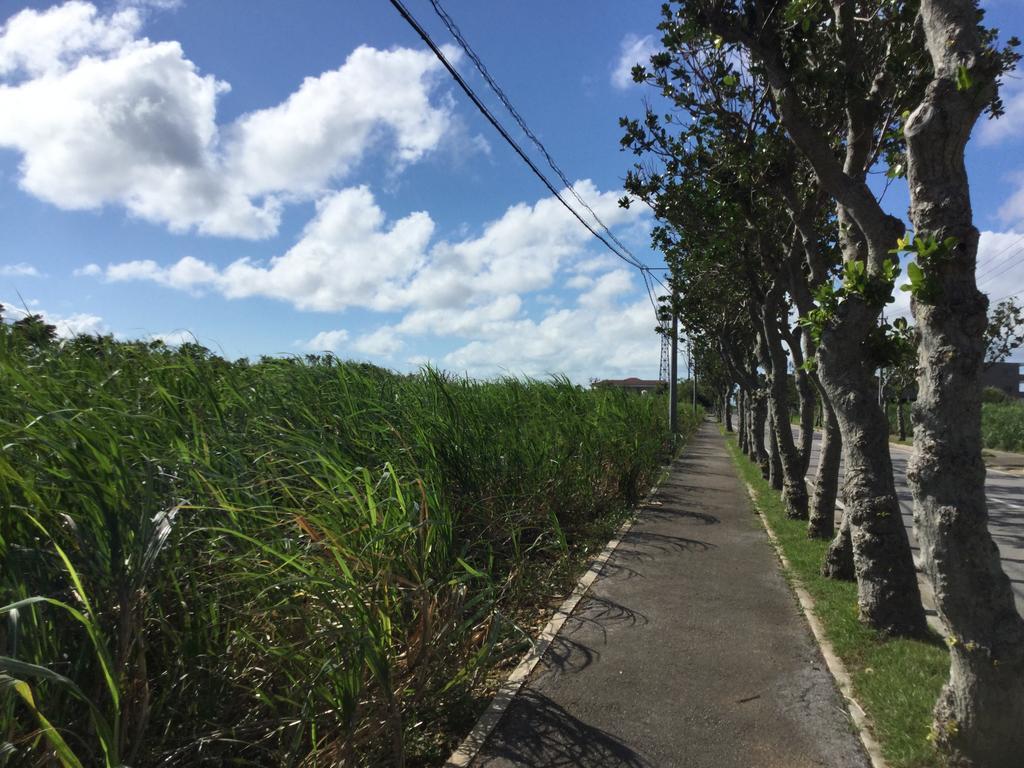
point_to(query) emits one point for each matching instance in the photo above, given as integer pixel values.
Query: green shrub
(1002, 426)
(994, 395)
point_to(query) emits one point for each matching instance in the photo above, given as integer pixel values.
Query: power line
(1010, 296)
(453, 28)
(1005, 268)
(628, 257)
(404, 12)
(995, 257)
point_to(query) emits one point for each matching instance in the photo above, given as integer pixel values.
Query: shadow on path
(537, 731)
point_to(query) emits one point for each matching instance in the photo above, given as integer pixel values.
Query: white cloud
(346, 257)
(349, 255)
(519, 252)
(89, 270)
(1011, 124)
(326, 341)
(325, 127)
(1012, 210)
(380, 343)
(48, 42)
(583, 342)
(67, 325)
(1001, 264)
(633, 50)
(189, 273)
(102, 116)
(20, 269)
(471, 289)
(607, 288)
(462, 321)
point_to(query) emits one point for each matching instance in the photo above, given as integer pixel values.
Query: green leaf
(963, 78)
(470, 569)
(64, 754)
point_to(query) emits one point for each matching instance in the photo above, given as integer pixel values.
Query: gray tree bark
(808, 404)
(979, 717)
(838, 562)
(887, 591)
(728, 408)
(775, 474)
(760, 412)
(791, 464)
(822, 520)
(741, 419)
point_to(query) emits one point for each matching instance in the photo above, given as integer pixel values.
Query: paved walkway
(688, 651)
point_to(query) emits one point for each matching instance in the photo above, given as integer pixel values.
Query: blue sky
(277, 178)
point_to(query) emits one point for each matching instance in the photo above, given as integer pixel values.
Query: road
(1005, 508)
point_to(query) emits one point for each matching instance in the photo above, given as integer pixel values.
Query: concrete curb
(486, 723)
(832, 661)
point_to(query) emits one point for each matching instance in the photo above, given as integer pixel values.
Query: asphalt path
(689, 649)
(1005, 493)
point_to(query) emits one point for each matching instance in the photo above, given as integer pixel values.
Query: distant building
(633, 384)
(1004, 376)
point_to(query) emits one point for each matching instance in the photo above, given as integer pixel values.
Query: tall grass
(290, 562)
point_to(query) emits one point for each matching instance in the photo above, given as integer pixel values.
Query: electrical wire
(625, 256)
(1005, 267)
(453, 28)
(996, 257)
(404, 12)
(1009, 296)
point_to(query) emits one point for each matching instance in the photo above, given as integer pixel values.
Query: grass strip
(896, 681)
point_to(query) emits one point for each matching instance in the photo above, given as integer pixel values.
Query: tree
(979, 715)
(707, 44)
(1004, 333)
(901, 82)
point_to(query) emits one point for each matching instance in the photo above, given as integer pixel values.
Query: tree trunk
(794, 486)
(901, 418)
(839, 557)
(728, 408)
(760, 412)
(808, 403)
(741, 407)
(887, 591)
(775, 474)
(821, 524)
(979, 717)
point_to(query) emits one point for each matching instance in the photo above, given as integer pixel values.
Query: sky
(284, 178)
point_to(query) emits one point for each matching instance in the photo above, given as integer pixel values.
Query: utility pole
(673, 416)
